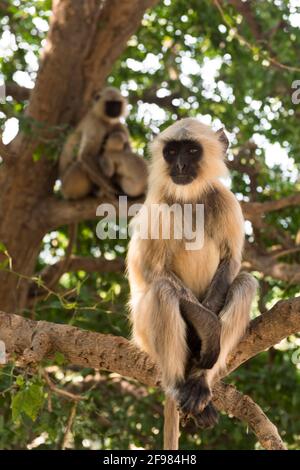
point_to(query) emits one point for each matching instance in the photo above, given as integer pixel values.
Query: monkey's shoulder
(219, 202)
(223, 218)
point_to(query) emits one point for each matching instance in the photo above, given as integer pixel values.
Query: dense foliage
(187, 59)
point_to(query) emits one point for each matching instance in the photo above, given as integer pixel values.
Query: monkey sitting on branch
(124, 167)
(79, 168)
(189, 307)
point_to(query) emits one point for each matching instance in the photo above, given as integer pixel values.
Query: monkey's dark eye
(171, 152)
(193, 150)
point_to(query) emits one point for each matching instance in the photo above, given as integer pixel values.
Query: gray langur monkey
(79, 168)
(119, 163)
(190, 308)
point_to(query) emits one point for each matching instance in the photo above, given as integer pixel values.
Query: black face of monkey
(183, 157)
(113, 108)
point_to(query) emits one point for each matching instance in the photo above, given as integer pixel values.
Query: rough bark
(96, 32)
(233, 402)
(266, 330)
(31, 341)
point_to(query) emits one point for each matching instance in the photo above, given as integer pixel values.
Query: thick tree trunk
(24, 185)
(84, 41)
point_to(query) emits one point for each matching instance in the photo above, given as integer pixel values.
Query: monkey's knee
(75, 184)
(132, 188)
(163, 290)
(244, 287)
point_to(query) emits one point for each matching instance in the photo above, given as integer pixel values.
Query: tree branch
(6, 153)
(99, 32)
(119, 20)
(256, 31)
(268, 329)
(85, 348)
(52, 273)
(17, 92)
(244, 8)
(150, 96)
(233, 402)
(269, 266)
(83, 263)
(252, 210)
(52, 213)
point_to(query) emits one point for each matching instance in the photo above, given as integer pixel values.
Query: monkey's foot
(208, 418)
(194, 395)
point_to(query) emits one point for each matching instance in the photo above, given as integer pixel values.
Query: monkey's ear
(96, 95)
(223, 138)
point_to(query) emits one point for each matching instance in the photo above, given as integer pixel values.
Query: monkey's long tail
(171, 424)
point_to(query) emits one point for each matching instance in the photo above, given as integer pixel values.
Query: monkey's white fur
(213, 163)
(157, 323)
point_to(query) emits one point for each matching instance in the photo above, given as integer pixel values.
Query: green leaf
(3, 248)
(20, 381)
(60, 359)
(28, 401)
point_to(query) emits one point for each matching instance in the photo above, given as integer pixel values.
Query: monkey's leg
(203, 339)
(204, 323)
(132, 186)
(160, 329)
(234, 316)
(75, 183)
(203, 335)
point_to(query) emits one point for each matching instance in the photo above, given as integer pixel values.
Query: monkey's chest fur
(195, 268)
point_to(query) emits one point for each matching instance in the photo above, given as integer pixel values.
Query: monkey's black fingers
(194, 395)
(208, 418)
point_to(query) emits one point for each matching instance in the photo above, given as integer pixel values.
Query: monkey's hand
(116, 142)
(210, 339)
(107, 165)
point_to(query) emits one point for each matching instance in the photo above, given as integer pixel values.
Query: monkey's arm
(215, 297)
(131, 171)
(203, 320)
(230, 226)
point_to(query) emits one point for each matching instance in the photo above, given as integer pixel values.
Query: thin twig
(250, 46)
(60, 391)
(68, 431)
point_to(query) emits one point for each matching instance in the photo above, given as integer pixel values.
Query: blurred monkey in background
(79, 168)
(119, 163)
